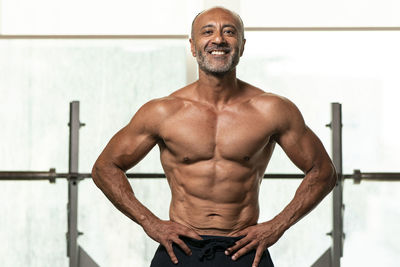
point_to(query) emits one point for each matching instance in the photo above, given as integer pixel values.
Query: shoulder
(278, 110)
(261, 99)
(266, 101)
(152, 114)
(162, 107)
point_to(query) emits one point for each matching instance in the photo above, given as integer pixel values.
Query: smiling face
(217, 40)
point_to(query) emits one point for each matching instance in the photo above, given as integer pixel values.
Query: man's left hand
(258, 237)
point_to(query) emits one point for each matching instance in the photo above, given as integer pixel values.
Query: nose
(219, 38)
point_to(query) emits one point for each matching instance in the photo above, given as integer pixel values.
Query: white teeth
(217, 53)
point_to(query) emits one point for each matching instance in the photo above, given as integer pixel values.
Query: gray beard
(210, 67)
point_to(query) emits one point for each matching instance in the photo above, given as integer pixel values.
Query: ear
(242, 48)
(192, 49)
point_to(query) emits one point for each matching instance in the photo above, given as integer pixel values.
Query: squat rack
(78, 256)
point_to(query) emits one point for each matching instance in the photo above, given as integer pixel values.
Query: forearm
(114, 184)
(317, 183)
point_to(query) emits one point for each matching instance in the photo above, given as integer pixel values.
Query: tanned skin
(216, 137)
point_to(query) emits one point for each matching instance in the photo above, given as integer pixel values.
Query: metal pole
(52, 175)
(337, 232)
(72, 207)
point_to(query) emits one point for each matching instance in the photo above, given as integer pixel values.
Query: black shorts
(209, 252)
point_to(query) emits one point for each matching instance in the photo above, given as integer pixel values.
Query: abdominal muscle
(221, 219)
(213, 202)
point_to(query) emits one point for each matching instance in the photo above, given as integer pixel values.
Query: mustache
(225, 48)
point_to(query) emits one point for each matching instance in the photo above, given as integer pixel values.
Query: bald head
(215, 10)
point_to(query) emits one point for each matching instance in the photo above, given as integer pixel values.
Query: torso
(214, 160)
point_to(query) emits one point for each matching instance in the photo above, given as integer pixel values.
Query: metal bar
(24, 175)
(379, 175)
(28, 175)
(375, 176)
(52, 175)
(325, 260)
(72, 207)
(337, 232)
(85, 260)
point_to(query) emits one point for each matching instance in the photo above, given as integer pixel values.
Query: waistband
(210, 244)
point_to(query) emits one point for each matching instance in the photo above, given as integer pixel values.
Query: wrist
(147, 220)
(280, 223)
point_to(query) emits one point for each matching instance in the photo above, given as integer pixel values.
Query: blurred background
(113, 56)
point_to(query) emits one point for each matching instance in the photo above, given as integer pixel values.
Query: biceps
(303, 148)
(128, 147)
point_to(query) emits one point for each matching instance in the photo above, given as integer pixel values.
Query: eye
(207, 32)
(230, 32)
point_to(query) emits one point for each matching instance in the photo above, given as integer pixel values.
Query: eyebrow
(224, 26)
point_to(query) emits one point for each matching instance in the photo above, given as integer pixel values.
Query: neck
(217, 89)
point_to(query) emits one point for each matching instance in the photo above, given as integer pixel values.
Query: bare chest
(196, 134)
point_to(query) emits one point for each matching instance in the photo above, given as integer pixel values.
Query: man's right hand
(168, 232)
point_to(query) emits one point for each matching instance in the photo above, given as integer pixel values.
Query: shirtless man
(216, 137)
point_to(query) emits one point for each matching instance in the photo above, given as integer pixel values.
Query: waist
(207, 239)
(215, 225)
(209, 217)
